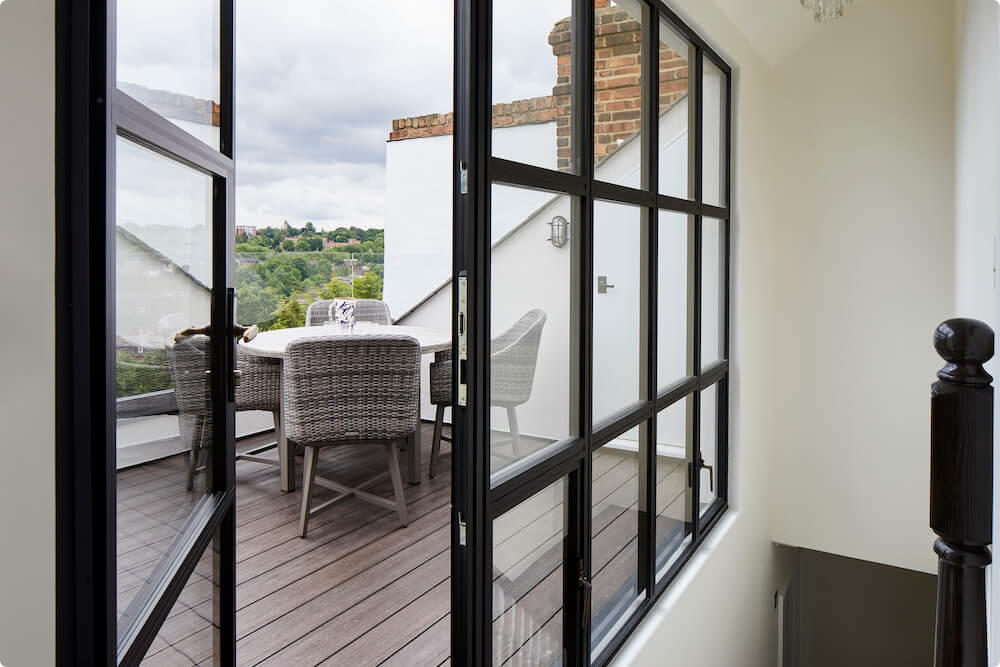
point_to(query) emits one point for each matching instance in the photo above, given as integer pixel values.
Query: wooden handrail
(962, 490)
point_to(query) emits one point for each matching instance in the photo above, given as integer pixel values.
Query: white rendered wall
(27, 338)
(418, 180)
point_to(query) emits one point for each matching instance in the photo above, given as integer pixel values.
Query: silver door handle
(602, 285)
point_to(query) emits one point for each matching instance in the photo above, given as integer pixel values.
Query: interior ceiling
(774, 27)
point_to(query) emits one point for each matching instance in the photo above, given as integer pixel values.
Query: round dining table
(273, 344)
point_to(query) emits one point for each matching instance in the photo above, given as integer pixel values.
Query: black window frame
(476, 170)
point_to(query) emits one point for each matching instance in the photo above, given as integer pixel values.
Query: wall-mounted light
(558, 231)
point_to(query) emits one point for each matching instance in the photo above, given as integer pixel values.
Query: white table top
(273, 343)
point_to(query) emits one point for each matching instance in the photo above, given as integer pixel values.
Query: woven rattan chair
(348, 391)
(513, 357)
(259, 389)
(371, 310)
(318, 313)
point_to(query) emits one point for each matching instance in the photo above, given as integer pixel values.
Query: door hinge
(463, 340)
(461, 530)
(463, 177)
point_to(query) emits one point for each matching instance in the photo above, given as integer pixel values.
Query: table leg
(286, 452)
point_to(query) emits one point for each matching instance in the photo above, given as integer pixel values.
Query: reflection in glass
(714, 140)
(187, 637)
(614, 539)
(675, 120)
(534, 335)
(713, 282)
(674, 283)
(709, 434)
(618, 94)
(528, 580)
(163, 271)
(673, 495)
(168, 59)
(619, 258)
(531, 107)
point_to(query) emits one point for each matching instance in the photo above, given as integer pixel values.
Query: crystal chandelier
(825, 11)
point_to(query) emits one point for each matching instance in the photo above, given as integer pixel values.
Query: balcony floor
(359, 590)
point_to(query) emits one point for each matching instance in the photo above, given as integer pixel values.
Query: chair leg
(311, 456)
(195, 452)
(436, 442)
(397, 483)
(515, 433)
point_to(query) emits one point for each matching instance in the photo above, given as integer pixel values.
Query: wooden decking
(359, 590)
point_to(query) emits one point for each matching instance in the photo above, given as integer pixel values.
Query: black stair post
(962, 489)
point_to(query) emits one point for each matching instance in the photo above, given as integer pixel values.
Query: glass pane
(164, 429)
(535, 331)
(714, 138)
(675, 114)
(619, 257)
(709, 434)
(713, 296)
(673, 495)
(674, 284)
(615, 539)
(618, 93)
(532, 68)
(168, 59)
(528, 548)
(187, 637)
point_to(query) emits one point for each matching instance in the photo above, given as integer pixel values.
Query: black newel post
(962, 490)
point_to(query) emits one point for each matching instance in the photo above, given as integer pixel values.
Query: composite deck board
(360, 590)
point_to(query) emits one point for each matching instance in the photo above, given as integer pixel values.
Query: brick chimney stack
(617, 88)
(617, 80)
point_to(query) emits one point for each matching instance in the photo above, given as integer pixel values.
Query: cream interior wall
(27, 340)
(866, 247)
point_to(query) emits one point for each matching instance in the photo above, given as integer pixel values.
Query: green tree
(292, 313)
(250, 250)
(255, 304)
(369, 286)
(336, 289)
(288, 245)
(302, 245)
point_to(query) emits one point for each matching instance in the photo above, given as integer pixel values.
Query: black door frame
(475, 503)
(90, 114)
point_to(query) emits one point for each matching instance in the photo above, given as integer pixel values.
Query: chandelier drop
(825, 11)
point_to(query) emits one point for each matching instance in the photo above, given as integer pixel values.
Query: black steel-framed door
(145, 309)
(592, 366)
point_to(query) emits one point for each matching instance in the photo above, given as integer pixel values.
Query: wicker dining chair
(349, 391)
(513, 357)
(259, 389)
(372, 310)
(318, 313)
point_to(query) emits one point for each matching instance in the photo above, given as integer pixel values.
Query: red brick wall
(617, 104)
(617, 85)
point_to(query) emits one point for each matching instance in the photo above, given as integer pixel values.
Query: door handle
(587, 588)
(602, 285)
(246, 334)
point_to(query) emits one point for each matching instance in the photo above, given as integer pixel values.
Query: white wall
(418, 226)
(865, 157)
(27, 340)
(977, 197)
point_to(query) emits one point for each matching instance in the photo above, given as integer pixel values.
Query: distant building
(246, 230)
(327, 243)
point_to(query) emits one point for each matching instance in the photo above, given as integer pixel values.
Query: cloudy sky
(318, 83)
